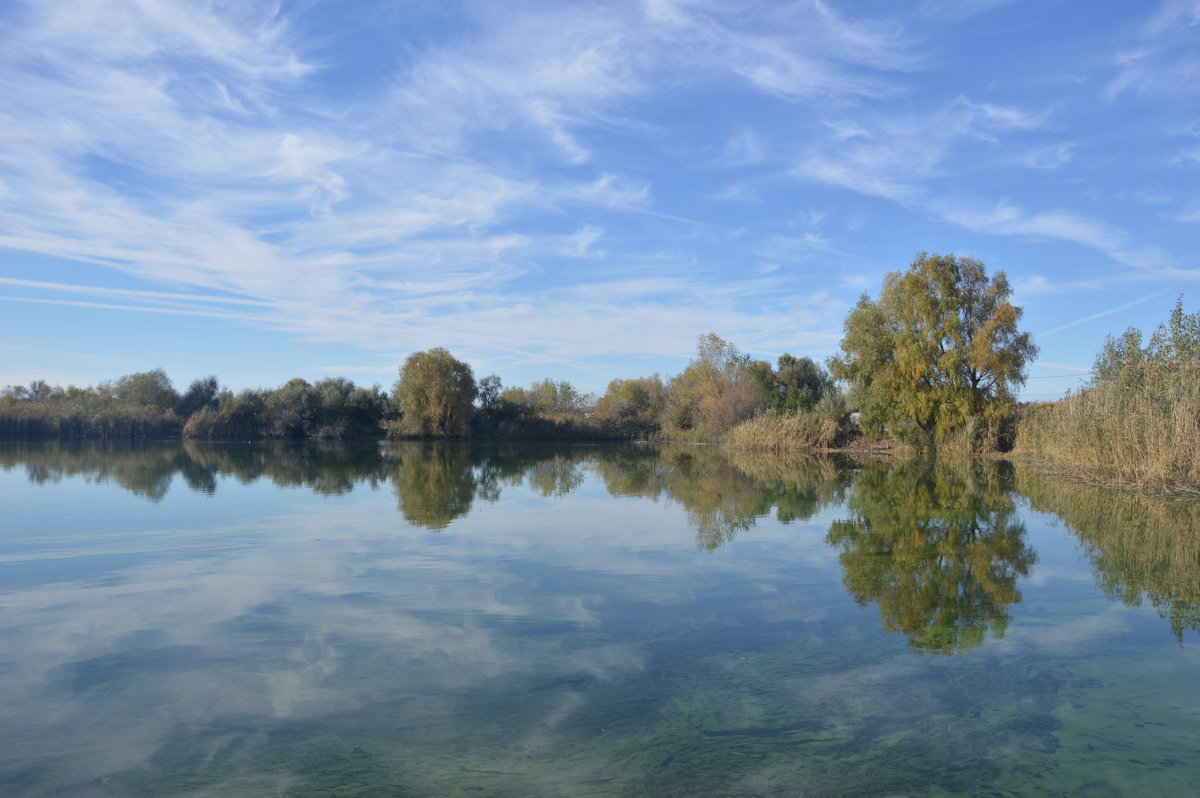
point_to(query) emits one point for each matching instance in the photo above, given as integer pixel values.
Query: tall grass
(1138, 423)
(63, 420)
(1142, 431)
(825, 426)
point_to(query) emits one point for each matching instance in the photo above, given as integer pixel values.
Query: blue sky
(575, 190)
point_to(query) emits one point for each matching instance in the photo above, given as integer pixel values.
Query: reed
(825, 426)
(65, 419)
(1142, 430)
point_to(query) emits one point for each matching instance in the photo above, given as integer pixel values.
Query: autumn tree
(435, 394)
(938, 351)
(638, 401)
(714, 393)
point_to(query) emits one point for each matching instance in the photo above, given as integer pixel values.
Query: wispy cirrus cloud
(540, 183)
(1004, 218)
(1162, 59)
(897, 157)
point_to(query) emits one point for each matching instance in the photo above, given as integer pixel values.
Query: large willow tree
(937, 352)
(435, 393)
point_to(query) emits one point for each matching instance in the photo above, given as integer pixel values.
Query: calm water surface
(213, 620)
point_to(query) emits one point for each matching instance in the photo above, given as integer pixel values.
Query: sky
(575, 190)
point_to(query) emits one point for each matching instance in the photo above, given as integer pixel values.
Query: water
(589, 620)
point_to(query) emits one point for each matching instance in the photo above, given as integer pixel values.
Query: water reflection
(725, 497)
(1140, 547)
(147, 469)
(559, 642)
(937, 548)
(438, 482)
(434, 483)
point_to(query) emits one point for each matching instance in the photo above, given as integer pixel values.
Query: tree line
(936, 356)
(933, 362)
(146, 405)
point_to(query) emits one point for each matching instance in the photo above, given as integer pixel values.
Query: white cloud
(1052, 157)
(894, 157)
(1162, 60)
(1189, 214)
(366, 221)
(744, 148)
(580, 244)
(1006, 219)
(203, 150)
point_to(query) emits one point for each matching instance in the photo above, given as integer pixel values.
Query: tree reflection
(937, 548)
(144, 469)
(724, 497)
(1141, 547)
(434, 482)
(437, 482)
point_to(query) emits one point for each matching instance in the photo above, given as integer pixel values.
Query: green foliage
(795, 384)
(487, 397)
(546, 398)
(1174, 347)
(235, 418)
(550, 398)
(547, 410)
(201, 393)
(435, 394)
(938, 352)
(147, 389)
(40, 410)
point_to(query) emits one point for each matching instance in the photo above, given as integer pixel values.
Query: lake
(616, 620)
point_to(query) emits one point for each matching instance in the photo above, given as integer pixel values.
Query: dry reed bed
(1144, 435)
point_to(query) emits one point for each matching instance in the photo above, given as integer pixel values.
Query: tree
(1174, 347)
(638, 400)
(939, 350)
(488, 394)
(201, 393)
(293, 410)
(715, 392)
(797, 384)
(147, 389)
(435, 393)
(555, 398)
